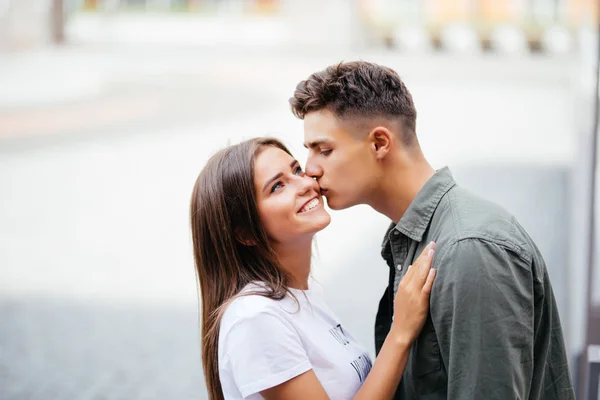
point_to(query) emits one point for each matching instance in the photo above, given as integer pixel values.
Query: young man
(493, 331)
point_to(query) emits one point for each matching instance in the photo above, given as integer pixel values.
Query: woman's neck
(295, 259)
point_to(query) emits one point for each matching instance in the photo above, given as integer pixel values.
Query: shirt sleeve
(263, 351)
(482, 308)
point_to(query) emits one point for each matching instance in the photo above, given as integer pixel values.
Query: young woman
(266, 332)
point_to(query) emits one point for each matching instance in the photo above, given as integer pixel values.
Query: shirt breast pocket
(426, 357)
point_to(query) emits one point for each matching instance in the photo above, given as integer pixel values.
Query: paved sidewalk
(76, 349)
(52, 350)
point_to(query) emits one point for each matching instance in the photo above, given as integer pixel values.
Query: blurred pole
(58, 21)
(593, 317)
(583, 17)
(593, 312)
(592, 320)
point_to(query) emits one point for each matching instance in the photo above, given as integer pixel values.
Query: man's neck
(399, 187)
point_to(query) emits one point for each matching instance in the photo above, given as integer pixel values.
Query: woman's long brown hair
(231, 248)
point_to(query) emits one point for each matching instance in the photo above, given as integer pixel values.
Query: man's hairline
(347, 123)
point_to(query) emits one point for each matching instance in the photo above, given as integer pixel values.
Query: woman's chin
(318, 224)
(323, 222)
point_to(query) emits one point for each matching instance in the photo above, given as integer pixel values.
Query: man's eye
(298, 171)
(325, 152)
(276, 187)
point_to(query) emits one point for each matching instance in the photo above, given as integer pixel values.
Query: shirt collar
(417, 217)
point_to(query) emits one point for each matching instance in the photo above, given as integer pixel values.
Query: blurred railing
(194, 6)
(474, 25)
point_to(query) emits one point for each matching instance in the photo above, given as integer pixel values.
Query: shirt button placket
(397, 250)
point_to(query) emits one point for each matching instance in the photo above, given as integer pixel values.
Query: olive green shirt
(493, 331)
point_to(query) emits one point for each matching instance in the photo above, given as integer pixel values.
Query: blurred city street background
(109, 110)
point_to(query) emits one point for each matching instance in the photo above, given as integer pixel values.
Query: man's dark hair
(357, 89)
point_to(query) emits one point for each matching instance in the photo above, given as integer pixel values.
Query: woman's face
(289, 202)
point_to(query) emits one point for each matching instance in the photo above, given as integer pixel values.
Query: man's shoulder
(473, 232)
(464, 215)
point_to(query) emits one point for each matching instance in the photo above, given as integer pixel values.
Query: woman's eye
(325, 152)
(276, 187)
(298, 171)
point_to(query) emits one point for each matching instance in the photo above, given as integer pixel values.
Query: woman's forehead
(271, 161)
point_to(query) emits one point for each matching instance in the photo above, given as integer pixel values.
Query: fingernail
(430, 253)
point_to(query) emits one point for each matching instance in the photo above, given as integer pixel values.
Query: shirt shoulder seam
(507, 244)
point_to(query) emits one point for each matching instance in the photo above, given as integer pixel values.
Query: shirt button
(396, 232)
(399, 267)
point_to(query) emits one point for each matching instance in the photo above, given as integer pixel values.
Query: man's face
(342, 163)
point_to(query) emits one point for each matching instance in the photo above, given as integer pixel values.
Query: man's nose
(313, 169)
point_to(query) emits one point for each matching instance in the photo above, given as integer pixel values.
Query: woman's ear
(243, 238)
(381, 140)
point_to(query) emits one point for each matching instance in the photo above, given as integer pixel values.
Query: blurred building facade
(506, 26)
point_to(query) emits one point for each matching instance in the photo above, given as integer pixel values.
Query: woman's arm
(411, 306)
(381, 383)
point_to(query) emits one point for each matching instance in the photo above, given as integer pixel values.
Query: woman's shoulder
(249, 304)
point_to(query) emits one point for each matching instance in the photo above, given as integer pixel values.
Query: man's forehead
(323, 127)
(320, 128)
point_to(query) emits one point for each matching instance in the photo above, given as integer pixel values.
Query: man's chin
(335, 205)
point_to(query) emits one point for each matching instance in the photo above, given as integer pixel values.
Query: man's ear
(243, 237)
(381, 140)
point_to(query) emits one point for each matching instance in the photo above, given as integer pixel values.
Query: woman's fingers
(429, 282)
(426, 262)
(417, 273)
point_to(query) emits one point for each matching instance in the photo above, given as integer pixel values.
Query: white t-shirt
(263, 343)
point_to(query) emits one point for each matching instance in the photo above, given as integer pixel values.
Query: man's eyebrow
(279, 175)
(316, 143)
